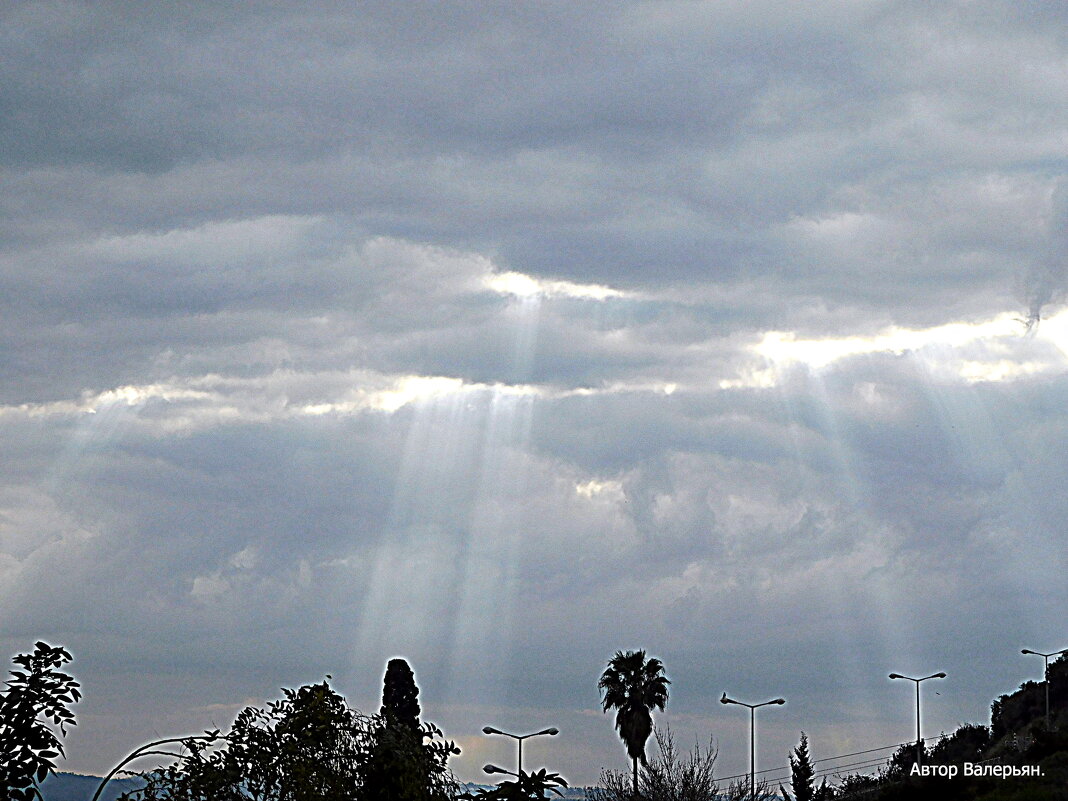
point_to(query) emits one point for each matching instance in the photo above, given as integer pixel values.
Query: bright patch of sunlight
(523, 286)
(415, 388)
(754, 378)
(1001, 370)
(588, 489)
(209, 400)
(974, 352)
(784, 347)
(1054, 329)
(120, 396)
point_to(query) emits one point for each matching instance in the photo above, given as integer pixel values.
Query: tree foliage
(399, 765)
(526, 786)
(405, 765)
(35, 696)
(400, 695)
(667, 777)
(1015, 712)
(740, 790)
(634, 686)
(308, 746)
(671, 777)
(966, 744)
(802, 776)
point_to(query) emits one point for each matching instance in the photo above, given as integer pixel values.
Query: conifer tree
(400, 696)
(802, 776)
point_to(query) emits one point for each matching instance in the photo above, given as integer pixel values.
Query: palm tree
(633, 685)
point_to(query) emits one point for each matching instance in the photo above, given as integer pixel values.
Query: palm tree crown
(633, 686)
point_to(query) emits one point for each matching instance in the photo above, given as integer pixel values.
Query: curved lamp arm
(145, 750)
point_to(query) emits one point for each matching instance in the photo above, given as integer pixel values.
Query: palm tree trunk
(635, 778)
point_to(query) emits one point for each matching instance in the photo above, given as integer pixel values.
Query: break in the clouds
(505, 336)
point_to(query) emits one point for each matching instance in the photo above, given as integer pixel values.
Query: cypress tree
(400, 696)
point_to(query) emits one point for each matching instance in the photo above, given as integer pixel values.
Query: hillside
(1023, 758)
(75, 787)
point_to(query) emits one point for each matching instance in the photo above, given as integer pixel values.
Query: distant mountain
(75, 787)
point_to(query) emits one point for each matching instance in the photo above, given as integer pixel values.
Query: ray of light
(418, 558)
(444, 571)
(491, 573)
(1012, 528)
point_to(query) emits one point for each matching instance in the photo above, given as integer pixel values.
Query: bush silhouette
(36, 695)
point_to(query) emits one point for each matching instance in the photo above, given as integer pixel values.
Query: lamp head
(1026, 651)
(490, 730)
(896, 676)
(491, 769)
(724, 699)
(938, 676)
(779, 701)
(552, 732)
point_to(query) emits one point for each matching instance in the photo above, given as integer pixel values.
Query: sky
(503, 336)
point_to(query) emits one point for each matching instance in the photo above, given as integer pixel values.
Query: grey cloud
(807, 105)
(228, 237)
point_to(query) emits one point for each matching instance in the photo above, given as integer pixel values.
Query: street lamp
(919, 741)
(1045, 673)
(752, 734)
(519, 738)
(491, 769)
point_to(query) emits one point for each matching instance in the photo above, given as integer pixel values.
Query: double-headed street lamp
(925, 678)
(519, 738)
(1045, 673)
(752, 734)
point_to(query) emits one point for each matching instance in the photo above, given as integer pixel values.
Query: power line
(832, 769)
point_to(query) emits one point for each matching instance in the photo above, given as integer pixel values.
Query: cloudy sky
(501, 336)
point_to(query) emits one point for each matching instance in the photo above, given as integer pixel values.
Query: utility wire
(832, 769)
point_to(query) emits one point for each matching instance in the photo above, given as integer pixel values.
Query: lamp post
(752, 734)
(1045, 673)
(919, 741)
(519, 738)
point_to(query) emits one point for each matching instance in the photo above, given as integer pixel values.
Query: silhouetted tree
(667, 777)
(966, 744)
(900, 763)
(35, 696)
(741, 790)
(634, 686)
(400, 696)
(802, 776)
(525, 787)
(399, 765)
(858, 786)
(308, 746)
